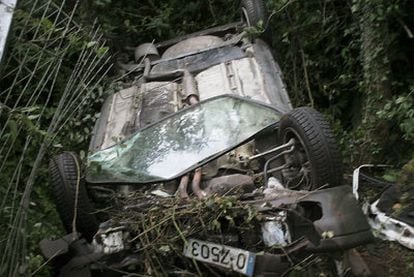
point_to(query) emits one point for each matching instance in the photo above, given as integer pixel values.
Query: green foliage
(35, 73)
(330, 62)
(400, 110)
(317, 46)
(253, 32)
(129, 23)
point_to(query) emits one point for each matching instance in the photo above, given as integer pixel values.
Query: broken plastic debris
(276, 231)
(389, 228)
(160, 193)
(274, 183)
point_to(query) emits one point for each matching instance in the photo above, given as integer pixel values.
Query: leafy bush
(400, 110)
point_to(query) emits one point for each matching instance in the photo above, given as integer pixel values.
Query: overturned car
(202, 166)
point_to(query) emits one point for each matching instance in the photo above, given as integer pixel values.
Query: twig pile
(161, 226)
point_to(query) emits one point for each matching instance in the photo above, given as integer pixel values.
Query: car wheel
(254, 13)
(65, 176)
(316, 160)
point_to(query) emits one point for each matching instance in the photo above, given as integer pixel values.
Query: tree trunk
(375, 43)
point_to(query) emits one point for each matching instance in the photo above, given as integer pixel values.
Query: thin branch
(305, 72)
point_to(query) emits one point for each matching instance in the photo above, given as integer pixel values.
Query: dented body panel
(248, 70)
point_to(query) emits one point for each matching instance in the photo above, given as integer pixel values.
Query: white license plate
(225, 256)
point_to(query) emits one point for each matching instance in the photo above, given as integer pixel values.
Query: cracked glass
(181, 142)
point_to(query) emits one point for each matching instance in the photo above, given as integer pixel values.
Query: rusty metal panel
(272, 76)
(239, 77)
(120, 117)
(132, 108)
(192, 44)
(159, 100)
(201, 61)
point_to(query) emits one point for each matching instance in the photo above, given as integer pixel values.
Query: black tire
(254, 12)
(64, 172)
(316, 140)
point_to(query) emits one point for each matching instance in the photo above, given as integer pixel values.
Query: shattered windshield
(180, 142)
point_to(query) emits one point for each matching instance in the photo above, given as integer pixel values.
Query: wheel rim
(297, 175)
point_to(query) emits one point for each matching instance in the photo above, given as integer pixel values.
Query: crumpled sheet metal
(388, 228)
(109, 241)
(384, 226)
(276, 231)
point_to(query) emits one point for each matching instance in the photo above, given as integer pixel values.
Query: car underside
(201, 157)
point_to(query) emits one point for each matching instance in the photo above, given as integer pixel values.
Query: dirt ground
(388, 259)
